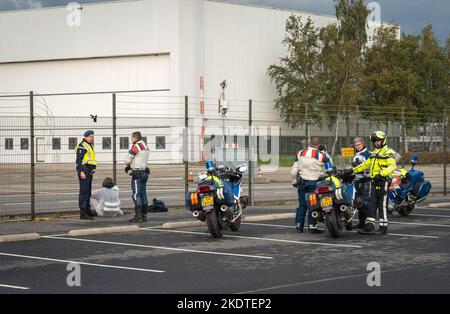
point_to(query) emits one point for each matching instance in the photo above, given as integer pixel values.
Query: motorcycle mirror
(242, 168)
(414, 160)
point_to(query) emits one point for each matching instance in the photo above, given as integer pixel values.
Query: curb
(94, 231)
(19, 237)
(268, 217)
(439, 205)
(182, 224)
(188, 224)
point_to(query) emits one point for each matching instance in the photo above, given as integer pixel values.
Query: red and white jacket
(138, 155)
(309, 164)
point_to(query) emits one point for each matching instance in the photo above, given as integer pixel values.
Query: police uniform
(381, 165)
(362, 186)
(307, 169)
(86, 163)
(137, 167)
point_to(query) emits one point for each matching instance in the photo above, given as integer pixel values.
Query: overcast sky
(412, 15)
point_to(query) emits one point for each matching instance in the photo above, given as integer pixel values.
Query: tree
(390, 82)
(341, 64)
(295, 77)
(433, 75)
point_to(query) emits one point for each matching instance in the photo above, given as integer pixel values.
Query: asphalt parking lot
(263, 258)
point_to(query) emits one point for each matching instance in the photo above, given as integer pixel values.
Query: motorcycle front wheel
(213, 224)
(236, 225)
(406, 210)
(331, 221)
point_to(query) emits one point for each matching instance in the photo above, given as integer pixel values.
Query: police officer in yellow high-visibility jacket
(382, 165)
(86, 164)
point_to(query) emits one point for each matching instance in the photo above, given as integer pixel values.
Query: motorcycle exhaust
(196, 213)
(315, 214)
(224, 208)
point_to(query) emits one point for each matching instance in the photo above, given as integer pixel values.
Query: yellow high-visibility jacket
(381, 161)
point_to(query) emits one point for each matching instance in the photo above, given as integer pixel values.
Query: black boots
(84, 216)
(144, 213)
(369, 228)
(138, 216)
(382, 231)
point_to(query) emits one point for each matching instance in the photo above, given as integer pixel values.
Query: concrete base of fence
(94, 231)
(19, 237)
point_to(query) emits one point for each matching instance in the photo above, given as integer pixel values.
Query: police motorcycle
(218, 199)
(332, 200)
(407, 189)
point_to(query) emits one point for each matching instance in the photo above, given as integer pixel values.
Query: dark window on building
(56, 143)
(73, 142)
(124, 143)
(106, 143)
(9, 144)
(24, 143)
(160, 142)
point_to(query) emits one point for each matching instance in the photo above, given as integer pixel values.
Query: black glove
(295, 185)
(127, 168)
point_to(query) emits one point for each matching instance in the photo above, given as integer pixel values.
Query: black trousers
(85, 195)
(378, 201)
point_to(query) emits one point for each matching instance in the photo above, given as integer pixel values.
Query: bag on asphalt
(158, 206)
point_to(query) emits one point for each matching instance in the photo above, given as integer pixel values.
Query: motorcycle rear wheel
(213, 224)
(331, 221)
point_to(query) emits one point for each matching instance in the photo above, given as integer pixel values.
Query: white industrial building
(168, 45)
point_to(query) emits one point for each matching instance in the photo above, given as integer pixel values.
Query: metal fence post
(114, 137)
(251, 199)
(186, 144)
(444, 148)
(32, 160)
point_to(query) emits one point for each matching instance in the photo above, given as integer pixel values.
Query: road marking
(389, 234)
(259, 239)
(337, 278)
(160, 247)
(427, 215)
(418, 224)
(82, 263)
(14, 287)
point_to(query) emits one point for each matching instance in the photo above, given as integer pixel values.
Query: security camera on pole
(223, 110)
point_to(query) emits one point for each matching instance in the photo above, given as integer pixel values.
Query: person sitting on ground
(106, 201)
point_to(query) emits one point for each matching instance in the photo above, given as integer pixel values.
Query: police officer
(307, 169)
(137, 166)
(86, 164)
(362, 182)
(382, 165)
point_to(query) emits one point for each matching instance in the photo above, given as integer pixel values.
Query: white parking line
(160, 247)
(82, 263)
(427, 215)
(418, 224)
(390, 234)
(259, 239)
(14, 287)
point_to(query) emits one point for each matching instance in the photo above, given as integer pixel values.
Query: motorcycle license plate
(326, 202)
(208, 202)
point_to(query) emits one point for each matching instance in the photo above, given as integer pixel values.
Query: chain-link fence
(40, 132)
